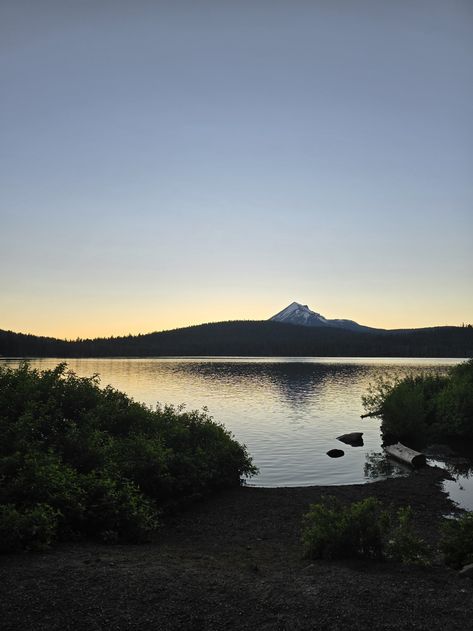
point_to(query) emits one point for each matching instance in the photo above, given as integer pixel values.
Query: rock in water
(355, 439)
(335, 453)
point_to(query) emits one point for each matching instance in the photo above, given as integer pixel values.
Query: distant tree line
(261, 338)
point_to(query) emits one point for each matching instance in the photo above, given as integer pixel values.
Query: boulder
(335, 453)
(355, 439)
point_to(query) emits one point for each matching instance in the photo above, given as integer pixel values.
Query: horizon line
(201, 324)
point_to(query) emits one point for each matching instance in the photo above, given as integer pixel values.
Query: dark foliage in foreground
(263, 338)
(77, 460)
(362, 529)
(426, 408)
(457, 540)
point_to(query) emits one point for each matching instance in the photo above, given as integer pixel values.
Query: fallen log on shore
(406, 455)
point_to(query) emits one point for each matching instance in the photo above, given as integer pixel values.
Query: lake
(287, 411)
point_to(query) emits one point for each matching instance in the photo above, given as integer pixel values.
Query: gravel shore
(234, 562)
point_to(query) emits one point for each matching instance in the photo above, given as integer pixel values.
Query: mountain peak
(299, 314)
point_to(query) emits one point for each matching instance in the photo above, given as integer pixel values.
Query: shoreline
(233, 561)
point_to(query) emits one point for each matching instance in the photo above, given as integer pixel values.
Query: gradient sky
(170, 163)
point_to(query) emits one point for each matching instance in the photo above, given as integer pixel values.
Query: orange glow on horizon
(121, 321)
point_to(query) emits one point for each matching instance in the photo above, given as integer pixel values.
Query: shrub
(403, 544)
(31, 529)
(455, 402)
(426, 408)
(362, 529)
(334, 531)
(31, 477)
(456, 542)
(117, 511)
(76, 459)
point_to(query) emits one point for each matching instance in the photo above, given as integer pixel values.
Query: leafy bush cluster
(76, 459)
(426, 408)
(360, 530)
(457, 540)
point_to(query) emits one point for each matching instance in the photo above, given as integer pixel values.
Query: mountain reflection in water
(288, 411)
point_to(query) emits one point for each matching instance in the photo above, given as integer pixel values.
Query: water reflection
(379, 466)
(288, 411)
(460, 487)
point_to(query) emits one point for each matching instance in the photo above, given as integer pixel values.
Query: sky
(177, 162)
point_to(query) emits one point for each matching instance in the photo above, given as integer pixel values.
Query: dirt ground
(234, 562)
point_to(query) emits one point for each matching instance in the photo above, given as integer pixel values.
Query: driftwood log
(406, 455)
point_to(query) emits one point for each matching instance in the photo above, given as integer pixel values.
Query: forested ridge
(254, 338)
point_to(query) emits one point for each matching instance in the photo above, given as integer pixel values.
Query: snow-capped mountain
(299, 314)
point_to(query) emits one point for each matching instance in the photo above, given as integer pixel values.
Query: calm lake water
(288, 411)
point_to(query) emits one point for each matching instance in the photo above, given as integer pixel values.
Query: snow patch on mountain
(297, 313)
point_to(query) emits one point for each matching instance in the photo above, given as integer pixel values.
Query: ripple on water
(288, 411)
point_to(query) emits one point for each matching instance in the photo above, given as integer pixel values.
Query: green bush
(334, 531)
(116, 510)
(362, 529)
(403, 544)
(456, 542)
(30, 529)
(426, 408)
(455, 402)
(76, 459)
